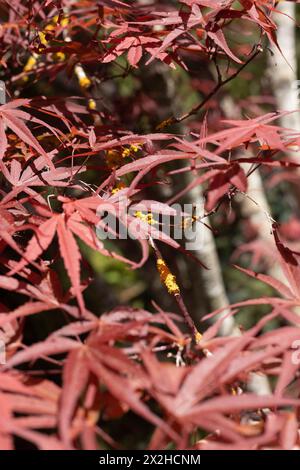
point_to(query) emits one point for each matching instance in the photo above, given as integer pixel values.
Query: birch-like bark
(216, 292)
(283, 75)
(254, 206)
(283, 66)
(2, 92)
(212, 278)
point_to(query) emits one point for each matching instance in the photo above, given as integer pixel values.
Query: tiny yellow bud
(82, 77)
(130, 150)
(118, 188)
(85, 82)
(160, 263)
(64, 21)
(31, 62)
(92, 104)
(59, 56)
(126, 153)
(145, 217)
(150, 219)
(49, 27)
(198, 337)
(42, 37)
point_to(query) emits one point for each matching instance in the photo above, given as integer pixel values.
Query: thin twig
(173, 120)
(178, 297)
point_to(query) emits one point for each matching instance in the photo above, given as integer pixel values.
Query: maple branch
(221, 82)
(167, 277)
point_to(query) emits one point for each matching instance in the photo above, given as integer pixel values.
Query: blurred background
(138, 99)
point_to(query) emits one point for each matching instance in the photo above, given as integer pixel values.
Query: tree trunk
(283, 68)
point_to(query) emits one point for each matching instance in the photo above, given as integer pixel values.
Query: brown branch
(173, 120)
(177, 295)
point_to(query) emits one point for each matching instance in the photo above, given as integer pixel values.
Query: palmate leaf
(6, 440)
(231, 404)
(13, 118)
(244, 131)
(75, 379)
(275, 283)
(79, 219)
(123, 390)
(55, 346)
(71, 256)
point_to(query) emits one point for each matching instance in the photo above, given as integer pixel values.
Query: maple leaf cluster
(67, 158)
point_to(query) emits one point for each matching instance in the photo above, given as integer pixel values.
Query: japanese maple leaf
(222, 182)
(77, 220)
(245, 131)
(37, 175)
(14, 118)
(68, 247)
(133, 45)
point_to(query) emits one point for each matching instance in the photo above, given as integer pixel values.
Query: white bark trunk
(212, 277)
(283, 67)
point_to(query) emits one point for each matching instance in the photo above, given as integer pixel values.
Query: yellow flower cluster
(51, 27)
(145, 217)
(114, 157)
(92, 104)
(130, 150)
(167, 278)
(58, 56)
